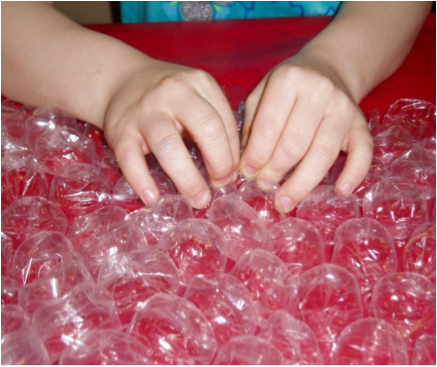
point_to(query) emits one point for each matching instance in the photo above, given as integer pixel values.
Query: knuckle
(166, 146)
(292, 150)
(324, 152)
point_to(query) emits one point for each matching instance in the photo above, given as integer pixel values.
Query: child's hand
(148, 113)
(301, 115)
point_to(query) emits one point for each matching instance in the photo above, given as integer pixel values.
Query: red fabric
(238, 53)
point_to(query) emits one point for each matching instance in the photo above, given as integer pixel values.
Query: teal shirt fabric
(164, 11)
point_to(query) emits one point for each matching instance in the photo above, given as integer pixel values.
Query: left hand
(301, 114)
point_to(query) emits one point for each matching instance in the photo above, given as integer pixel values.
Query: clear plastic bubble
(61, 322)
(104, 347)
(97, 136)
(407, 301)
(85, 225)
(10, 289)
(80, 189)
(21, 176)
(30, 215)
(391, 144)
(414, 115)
(13, 120)
(134, 277)
(226, 303)
(262, 202)
(419, 255)
(7, 253)
(295, 339)
(244, 230)
(424, 350)
(265, 276)
(124, 196)
(173, 331)
(37, 255)
(369, 342)
(298, 243)
(365, 248)
(248, 350)
(326, 210)
(57, 283)
(196, 246)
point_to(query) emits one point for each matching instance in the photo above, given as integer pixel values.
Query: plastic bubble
(369, 342)
(11, 146)
(168, 210)
(61, 322)
(173, 331)
(196, 246)
(85, 225)
(419, 255)
(10, 289)
(365, 248)
(80, 189)
(62, 147)
(295, 339)
(414, 115)
(265, 276)
(98, 138)
(57, 283)
(115, 238)
(407, 301)
(262, 202)
(391, 144)
(417, 165)
(14, 319)
(132, 278)
(298, 243)
(7, 252)
(424, 350)
(326, 210)
(30, 215)
(248, 350)
(326, 298)
(228, 190)
(22, 177)
(398, 204)
(226, 303)
(47, 119)
(124, 196)
(22, 346)
(104, 347)
(109, 167)
(37, 255)
(243, 229)
(13, 119)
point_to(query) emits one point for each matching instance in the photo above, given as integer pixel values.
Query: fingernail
(249, 171)
(265, 184)
(202, 199)
(346, 189)
(149, 196)
(286, 203)
(224, 181)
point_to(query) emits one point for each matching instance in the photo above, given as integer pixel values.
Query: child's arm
(306, 109)
(141, 103)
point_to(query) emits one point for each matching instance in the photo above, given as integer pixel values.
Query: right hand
(147, 114)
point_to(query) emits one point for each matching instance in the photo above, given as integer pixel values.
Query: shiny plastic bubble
(196, 246)
(295, 339)
(10, 289)
(7, 252)
(173, 331)
(424, 350)
(391, 144)
(226, 303)
(248, 350)
(369, 342)
(244, 230)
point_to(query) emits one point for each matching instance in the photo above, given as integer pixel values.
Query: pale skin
(303, 112)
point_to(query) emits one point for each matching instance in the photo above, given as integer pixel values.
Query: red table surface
(238, 53)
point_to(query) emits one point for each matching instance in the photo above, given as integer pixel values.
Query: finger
(360, 151)
(251, 106)
(218, 100)
(275, 105)
(207, 129)
(313, 167)
(129, 152)
(164, 140)
(295, 140)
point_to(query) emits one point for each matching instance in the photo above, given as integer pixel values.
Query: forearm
(49, 60)
(366, 42)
